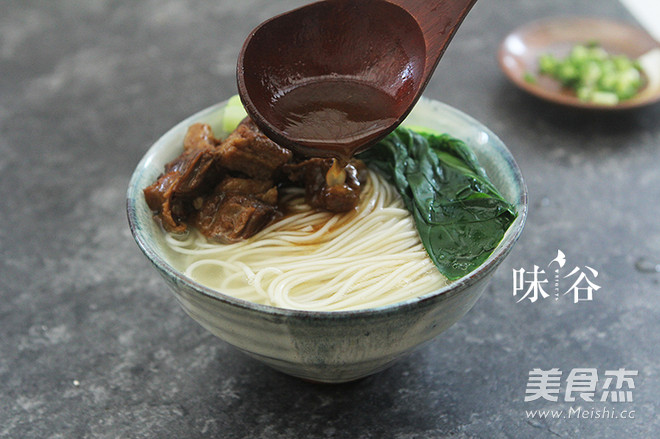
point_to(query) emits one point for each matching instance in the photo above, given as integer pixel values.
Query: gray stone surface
(93, 345)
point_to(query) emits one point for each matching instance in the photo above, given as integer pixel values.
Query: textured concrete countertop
(93, 345)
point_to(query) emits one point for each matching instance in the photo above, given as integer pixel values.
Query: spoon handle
(439, 20)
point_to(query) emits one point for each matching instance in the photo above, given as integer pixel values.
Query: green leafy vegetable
(459, 214)
(234, 113)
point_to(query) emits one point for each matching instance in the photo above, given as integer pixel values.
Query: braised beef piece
(263, 190)
(237, 209)
(249, 151)
(248, 166)
(318, 193)
(171, 196)
(199, 136)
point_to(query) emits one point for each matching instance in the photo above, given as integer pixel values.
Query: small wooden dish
(519, 53)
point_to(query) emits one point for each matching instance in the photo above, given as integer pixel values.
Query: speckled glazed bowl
(330, 346)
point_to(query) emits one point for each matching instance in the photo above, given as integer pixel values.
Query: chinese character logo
(543, 384)
(624, 381)
(581, 384)
(534, 284)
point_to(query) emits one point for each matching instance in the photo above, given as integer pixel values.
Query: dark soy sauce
(333, 117)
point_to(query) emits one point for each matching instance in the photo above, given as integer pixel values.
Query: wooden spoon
(331, 78)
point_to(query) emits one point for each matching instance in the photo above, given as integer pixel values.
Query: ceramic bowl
(334, 346)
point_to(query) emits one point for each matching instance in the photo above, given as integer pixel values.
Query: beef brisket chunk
(249, 151)
(338, 196)
(171, 196)
(263, 190)
(199, 136)
(237, 209)
(228, 190)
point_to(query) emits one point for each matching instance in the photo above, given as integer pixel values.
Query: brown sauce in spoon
(333, 117)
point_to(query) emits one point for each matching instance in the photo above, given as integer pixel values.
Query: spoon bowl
(334, 77)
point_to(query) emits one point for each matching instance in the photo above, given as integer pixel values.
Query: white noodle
(319, 261)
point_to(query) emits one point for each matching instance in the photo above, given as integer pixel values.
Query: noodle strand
(318, 260)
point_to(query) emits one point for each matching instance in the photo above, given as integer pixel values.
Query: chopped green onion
(595, 75)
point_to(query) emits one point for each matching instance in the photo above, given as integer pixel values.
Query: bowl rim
(497, 256)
